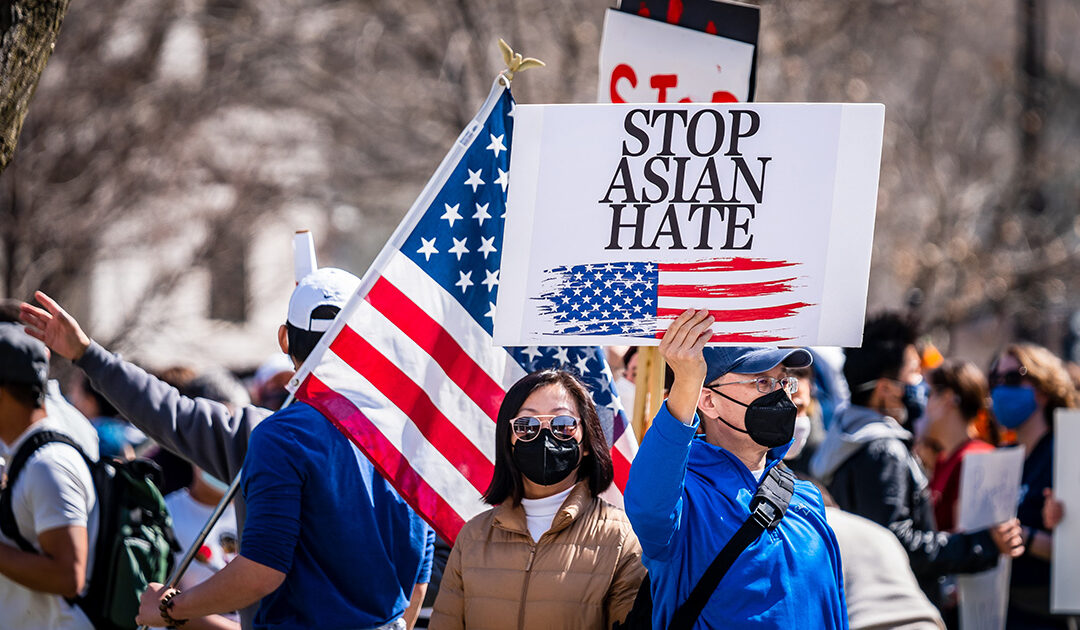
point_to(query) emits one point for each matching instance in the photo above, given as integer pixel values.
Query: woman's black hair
(506, 482)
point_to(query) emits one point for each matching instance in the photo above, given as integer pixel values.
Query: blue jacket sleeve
(424, 576)
(654, 491)
(273, 487)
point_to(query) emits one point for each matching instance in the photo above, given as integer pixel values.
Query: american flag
(750, 298)
(408, 370)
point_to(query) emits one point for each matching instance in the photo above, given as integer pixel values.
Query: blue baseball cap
(751, 360)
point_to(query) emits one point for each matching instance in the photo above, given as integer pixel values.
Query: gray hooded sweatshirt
(853, 427)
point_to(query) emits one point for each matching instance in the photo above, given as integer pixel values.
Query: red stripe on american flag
(741, 314)
(390, 463)
(727, 264)
(414, 402)
(621, 466)
(747, 289)
(440, 344)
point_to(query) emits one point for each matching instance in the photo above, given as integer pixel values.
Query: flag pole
(189, 555)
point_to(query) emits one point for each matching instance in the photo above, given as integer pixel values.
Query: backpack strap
(768, 506)
(18, 462)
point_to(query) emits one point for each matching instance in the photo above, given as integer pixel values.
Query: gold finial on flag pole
(515, 62)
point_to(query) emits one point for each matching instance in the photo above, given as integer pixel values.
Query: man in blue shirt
(686, 497)
(327, 542)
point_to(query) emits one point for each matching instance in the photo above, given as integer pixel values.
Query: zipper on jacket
(525, 587)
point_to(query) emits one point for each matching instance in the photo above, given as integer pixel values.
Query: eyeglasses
(766, 384)
(1011, 378)
(528, 427)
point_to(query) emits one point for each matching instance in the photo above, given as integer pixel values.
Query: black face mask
(770, 419)
(545, 460)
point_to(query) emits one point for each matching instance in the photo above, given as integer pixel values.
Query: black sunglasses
(1012, 378)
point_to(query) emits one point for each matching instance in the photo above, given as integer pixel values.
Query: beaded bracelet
(166, 606)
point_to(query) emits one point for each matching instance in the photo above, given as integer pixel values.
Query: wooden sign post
(649, 390)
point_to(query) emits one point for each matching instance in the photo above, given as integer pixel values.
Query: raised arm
(202, 431)
(654, 491)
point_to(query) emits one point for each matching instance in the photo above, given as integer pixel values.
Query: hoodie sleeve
(654, 491)
(201, 431)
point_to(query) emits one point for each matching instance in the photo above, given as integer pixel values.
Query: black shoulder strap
(18, 462)
(768, 506)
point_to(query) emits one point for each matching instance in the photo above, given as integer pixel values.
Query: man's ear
(283, 338)
(705, 402)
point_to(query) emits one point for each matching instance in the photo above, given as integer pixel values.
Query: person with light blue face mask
(1027, 384)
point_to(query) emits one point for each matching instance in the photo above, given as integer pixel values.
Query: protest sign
(989, 494)
(619, 217)
(1065, 561)
(647, 61)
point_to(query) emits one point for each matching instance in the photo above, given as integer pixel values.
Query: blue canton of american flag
(412, 376)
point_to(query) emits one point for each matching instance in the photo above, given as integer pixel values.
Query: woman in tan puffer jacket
(552, 553)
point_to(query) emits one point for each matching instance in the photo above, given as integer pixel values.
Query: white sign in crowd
(989, 494)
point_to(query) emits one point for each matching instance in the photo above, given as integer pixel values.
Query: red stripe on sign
(727, 264)
(440, 344)
(747, 338)
(621, 466)
(390, 463)
(411, 399)
(752, 338)
(748, 289)
(741, 314)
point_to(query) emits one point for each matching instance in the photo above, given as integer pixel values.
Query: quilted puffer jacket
(584, 572)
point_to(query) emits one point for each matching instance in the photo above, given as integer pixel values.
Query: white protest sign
(619, 217)
(989, 494)
(647, 61)
(1065, 561)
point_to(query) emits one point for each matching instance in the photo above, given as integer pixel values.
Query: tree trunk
(28, 30)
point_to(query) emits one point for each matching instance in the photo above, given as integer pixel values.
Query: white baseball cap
(323, 287)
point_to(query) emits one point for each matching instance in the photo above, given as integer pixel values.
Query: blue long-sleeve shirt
(686, 498)
(317, 510)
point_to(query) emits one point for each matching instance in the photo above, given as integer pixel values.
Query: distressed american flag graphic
(408, 370)
(749, 297)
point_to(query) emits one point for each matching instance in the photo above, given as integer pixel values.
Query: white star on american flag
(451, 213)
(427, 248)
(486, 246)
(481, 213)
(465, 281)
(496, 145)
(459, 248)
(474, 180)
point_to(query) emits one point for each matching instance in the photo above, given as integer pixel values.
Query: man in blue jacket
(686, 497)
